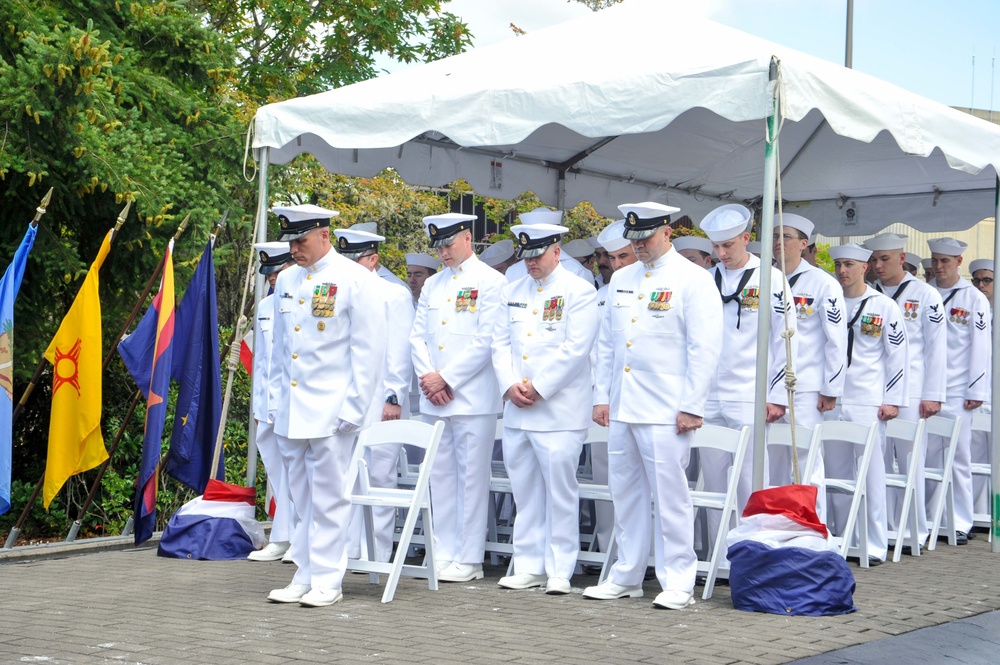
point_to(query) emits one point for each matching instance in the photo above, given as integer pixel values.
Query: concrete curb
(64, 549)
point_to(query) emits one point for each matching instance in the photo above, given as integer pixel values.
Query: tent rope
(246, 157)
(787, 298)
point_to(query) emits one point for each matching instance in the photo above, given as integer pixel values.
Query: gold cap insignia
(433, 229)
(284, 221)
(632, 219)
(523, 239)
(263, 257)
(343, 243)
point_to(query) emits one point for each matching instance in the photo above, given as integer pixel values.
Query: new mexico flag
(75, 440)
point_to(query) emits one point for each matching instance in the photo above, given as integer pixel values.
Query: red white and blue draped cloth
(218, 525)
(782, 561)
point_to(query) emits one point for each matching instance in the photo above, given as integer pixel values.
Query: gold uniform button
(294, 383)
(440, 347)
(295, 356)
(539, 289)
(309, 276)
(302, 301)
(529, 334)
(449, 299)
(524, 357)
(628, 344)
(444, 322)
(627, 368)
(298, 328)
(454, 276)
(524, 380)
(634, 319)
(534, 311)
(640, 296)
(648, 274)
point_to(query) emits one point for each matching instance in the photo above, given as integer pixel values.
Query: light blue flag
(9, 286)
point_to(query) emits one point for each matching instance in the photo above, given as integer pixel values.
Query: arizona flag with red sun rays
(162, 311)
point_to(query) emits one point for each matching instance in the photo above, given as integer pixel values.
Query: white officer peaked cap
(726, 222)
(851, 251)
(913, 260)
(642, 219)
(272, 256)
(423, 260)
(353, 243)
(612, 238)
(578, 249)
(926, 264)
(885, 242)
(297, 220)
(497, 253)
(534, 239)
(797, 222)
(540, 216)
(754, 247)
(947, 246)
(442, 227)
(692, 242)
(981, 264)
(367, 227)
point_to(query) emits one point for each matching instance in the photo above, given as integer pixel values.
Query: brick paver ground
(134, 607)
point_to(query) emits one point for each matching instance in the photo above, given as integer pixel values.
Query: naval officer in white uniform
(457, 314)
(541, 354)
(546, 216)
(329, 350)
(657, 351)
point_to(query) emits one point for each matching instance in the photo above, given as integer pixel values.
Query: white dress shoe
(441, 566)
(461, 572)
(521, 581)
(558, 586)
(674, 600)
(609, 591)
(287, 557)
(290, 594)
(271, 552)
(319, 597)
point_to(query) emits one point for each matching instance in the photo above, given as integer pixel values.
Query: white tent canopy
(625, 113)
(636, 103)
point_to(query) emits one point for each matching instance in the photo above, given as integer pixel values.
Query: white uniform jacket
(967, 313)
(659, 342)
(546, 336)
(821, 323)
(398, 357)
(263, 340)
(926, 336)
(329, 347)
(452, 333)
(877, 352)
(737, 373)
(519, 270)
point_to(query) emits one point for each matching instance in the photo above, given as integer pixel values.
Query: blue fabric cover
(205, 538)
(789, 580)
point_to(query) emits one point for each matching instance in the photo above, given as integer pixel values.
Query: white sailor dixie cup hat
(797, 222)
(424, 261)
(851, 251)
(578, 249)
(726, 222)
(885, 242)
(297, 220)
(352, 243)
(698, 243)
(272, 256)
(534, 239)
(612, 238)
(926, 264)
(912, 259)
(540, 216)
(497, 253)
(947, 246)
(642, 219)
(981, 264)
(442, 228)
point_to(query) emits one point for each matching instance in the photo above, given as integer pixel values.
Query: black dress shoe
(961, 538)
(650, 574)
(971, 535)
(874, 561)
(909, 550)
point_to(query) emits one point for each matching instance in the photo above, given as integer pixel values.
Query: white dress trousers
(277, 474)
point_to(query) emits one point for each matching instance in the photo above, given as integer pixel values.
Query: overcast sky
(926, 46)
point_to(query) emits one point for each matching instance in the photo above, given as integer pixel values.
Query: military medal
(324, 300)
(750, 298)
(659, 301)
(871, 325)
(473, 297)
(321, 326)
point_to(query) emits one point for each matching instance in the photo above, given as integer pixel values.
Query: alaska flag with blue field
(156, 332)
(196, 369)
(9, 286)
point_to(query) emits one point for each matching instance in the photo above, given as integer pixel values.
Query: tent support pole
(561, 190)
(766, 256)
(263, 164)
(995, 391)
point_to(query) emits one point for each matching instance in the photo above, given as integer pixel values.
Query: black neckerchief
(794, 278)
(747, 274)
(850, 330)
(950, 296)
(899, 289)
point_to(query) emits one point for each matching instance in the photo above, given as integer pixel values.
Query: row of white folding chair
(415, 500)
(807, 443)
(943, 513)
(981, 422)
(906, 520)
(861, 440)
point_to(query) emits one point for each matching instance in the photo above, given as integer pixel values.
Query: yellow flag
(75, 440)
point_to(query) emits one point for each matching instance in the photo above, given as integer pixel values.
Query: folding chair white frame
(914, 433)
(853, 434)
(948, 428)
(595, 492)
(500, 535)
(981, 422)
(416, 501)
(806, 441)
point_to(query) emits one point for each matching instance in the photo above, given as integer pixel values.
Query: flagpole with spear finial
(96, 484)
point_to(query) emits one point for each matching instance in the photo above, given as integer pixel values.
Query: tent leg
(766, 257)
(994, 392)
(259, 289)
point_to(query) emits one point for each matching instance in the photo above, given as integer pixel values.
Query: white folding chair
(735, 443)
(596, 492)
(836, 433)
(982, 422)
(944, 507)
(416, 501)
(779, 435)
(500, 510)
(906, 520)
